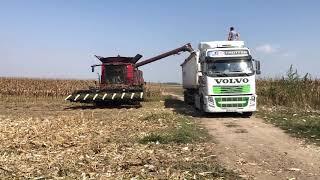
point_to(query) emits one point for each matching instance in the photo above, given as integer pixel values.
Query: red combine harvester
(121, 81)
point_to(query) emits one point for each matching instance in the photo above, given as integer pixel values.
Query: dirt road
(258, 150)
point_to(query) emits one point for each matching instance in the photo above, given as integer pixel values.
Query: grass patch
(154, 138)
(206, 170)
(183, 130)
(302, 124)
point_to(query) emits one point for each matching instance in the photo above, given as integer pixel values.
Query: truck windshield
(230, 67)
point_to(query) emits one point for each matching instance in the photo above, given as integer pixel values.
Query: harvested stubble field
(44, 137)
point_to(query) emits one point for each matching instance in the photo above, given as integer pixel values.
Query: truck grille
(231, 89)
(237, 102)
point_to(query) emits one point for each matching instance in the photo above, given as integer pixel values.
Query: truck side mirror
(92, 68)
(258, 71)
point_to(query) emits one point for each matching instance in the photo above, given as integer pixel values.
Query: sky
(58, 39)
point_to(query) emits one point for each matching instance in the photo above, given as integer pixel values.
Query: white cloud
(288, 54)
(271, 49)
(267, 49)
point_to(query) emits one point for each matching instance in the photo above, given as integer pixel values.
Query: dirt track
(258, 150)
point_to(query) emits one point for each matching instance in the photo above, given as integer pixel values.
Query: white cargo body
(220, 77)
(191, 71)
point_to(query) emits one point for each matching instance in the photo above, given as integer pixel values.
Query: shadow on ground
(181, 107)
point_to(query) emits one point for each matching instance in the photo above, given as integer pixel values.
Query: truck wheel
(201, 105)
(185, 98)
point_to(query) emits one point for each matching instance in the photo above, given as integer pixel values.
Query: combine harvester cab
(121, 81)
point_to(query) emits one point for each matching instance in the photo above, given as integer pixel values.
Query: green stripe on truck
(231, 89)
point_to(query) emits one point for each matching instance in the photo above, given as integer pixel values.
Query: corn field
(57, 88)
(289, 91)
(41, 87)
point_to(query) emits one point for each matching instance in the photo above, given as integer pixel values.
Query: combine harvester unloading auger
(121, 81)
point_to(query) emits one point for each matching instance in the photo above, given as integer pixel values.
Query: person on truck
(233, 35)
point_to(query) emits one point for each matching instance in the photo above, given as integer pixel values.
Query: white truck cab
(220, 77)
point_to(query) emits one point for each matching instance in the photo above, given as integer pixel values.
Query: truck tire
(188, 98)
(201, 105)
(185, 98)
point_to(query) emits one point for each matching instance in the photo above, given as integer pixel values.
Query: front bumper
(239, 103)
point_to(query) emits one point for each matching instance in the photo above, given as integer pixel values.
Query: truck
(220, 77)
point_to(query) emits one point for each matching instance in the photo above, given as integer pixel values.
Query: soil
(255, 149)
